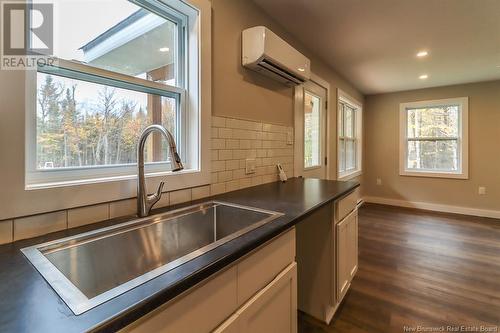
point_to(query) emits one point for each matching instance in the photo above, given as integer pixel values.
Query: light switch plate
(250, 166)
(482, 190)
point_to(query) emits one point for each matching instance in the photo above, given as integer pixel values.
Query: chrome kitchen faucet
(144, 201)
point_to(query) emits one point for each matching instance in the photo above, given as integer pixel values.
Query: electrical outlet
(379, 181)
(482, 190)
(289, 137)
(250, 166)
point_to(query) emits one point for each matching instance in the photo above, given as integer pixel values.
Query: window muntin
(312, 130)
(348, 140)
(434, 138)
(183, 89)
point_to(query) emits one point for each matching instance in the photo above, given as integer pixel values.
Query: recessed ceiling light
(422, 54)
(423, 76)
(164, 49)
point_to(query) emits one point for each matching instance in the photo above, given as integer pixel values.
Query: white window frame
(344, 98)
(322, 120)
(195, 112)
(462, 139)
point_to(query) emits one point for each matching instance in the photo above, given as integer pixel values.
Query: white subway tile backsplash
(269, 178)
(218, 122)
(164, 200)
(122, 208)
(215, 155)
(225, 154)
(218, 144)
(232, 185)
(232, 144)
(245, 144)
(246, 134)
(181, 196)
(238, 140)
(218, 166)
(32, 226)
(87, 215)
(6, 231)
(256, 180)
(225, 176)
(214, 178)
(274, 128)
(232, 164)
(200, 192)
(245, 182)
(243, 124)
(217, 188)
(225, 133)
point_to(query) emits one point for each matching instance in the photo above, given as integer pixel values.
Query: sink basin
(91, 268)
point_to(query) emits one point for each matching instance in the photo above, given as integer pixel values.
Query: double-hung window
(349, 138)
(120, 66)
(434, 138)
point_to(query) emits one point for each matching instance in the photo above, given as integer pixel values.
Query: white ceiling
(373, 43)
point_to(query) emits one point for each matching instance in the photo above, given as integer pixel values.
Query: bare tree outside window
(82, 124)
(433, 134)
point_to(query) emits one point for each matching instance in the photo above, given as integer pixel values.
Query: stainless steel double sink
(91, 268)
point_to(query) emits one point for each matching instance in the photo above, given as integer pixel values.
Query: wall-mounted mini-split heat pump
(265, 52)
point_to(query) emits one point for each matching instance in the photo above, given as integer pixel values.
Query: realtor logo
(27, 34)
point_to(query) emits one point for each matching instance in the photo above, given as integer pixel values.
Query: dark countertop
(29, 304)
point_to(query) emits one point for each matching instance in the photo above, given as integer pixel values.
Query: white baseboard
(435, 207)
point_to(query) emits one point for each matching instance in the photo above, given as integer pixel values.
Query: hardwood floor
(419, 268)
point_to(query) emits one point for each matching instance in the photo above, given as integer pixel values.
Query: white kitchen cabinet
(347, 252)
(327, 254)
(273, 309)
(315, 264)
(260, 291)
(198, 310)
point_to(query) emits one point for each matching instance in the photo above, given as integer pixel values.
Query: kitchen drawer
(346, 205)
(199, 310)
(272, 309)
(263, 265)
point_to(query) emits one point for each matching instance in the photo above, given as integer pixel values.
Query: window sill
(108, 179)
(430, 174)
(349, 175)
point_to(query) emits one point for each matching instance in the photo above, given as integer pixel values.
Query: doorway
(311, 131)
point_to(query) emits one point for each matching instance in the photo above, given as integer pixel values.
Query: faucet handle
(159, 191)
(154, 198)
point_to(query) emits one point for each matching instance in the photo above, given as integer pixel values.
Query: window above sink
(137, 64)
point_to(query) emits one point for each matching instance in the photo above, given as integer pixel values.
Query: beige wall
(236, 93)
(381, 149)
(241, 93)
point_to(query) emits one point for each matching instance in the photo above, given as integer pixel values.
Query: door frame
(298, 110)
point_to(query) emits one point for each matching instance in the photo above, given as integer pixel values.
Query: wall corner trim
(434, 207)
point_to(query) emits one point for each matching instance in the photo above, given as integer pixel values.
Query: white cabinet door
(353, 243)
(201, 309)
(347, 252)
(271, 310)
